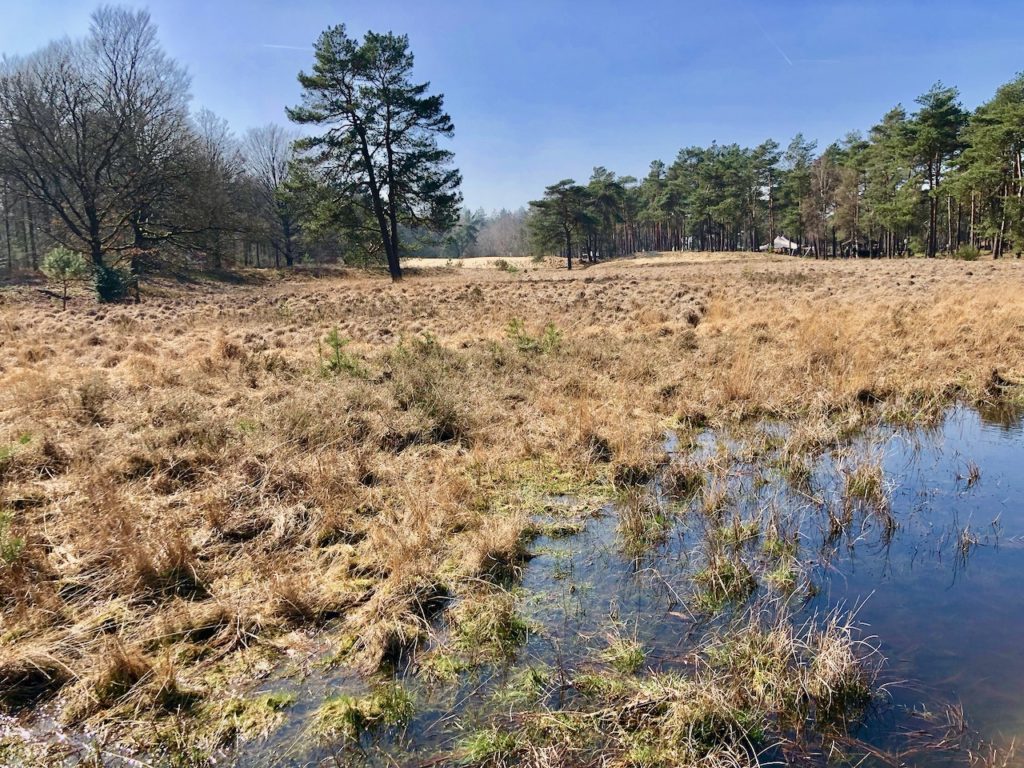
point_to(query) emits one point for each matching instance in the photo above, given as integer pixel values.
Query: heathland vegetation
(226, 481)
(258, 502)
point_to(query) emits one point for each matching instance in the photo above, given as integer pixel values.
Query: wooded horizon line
(100, 153)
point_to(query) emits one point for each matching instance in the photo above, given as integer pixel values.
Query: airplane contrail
(776, 45)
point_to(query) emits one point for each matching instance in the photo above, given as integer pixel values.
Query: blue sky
(541, 91)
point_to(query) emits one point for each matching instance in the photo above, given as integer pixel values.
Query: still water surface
(942, 595)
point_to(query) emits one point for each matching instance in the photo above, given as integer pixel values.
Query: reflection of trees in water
(1007, 416)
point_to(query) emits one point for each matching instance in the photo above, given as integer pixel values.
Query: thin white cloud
(279, 47)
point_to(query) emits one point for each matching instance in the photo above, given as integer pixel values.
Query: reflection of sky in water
(955, 627)
(951, 628)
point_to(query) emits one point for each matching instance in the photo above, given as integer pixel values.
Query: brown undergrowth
(190, 486)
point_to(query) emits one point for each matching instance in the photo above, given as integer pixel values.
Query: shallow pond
(935, 580)
(939, 592)
(945, 596)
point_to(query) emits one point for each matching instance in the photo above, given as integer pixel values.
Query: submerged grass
(724, 579)
(752, 689)
(488, 624)
(624, 655)
(489, 748)
(643, 522)
(237, 719)
(347, 718)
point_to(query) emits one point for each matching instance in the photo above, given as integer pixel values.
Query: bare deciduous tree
(269, 151)
(93, 129)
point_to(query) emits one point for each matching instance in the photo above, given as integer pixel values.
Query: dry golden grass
(187, 482)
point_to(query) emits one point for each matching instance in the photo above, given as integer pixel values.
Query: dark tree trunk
(6, 202)
(30, 229)
(973, 241)
(949, 223)
(289, 252)
(959, 224)
(95, 241)
(933, 213)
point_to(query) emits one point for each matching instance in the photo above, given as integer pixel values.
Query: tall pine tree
(380, 144)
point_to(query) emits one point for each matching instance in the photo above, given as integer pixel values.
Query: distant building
(781, 243)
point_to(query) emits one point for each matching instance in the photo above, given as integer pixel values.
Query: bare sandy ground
(523, 263)
(475, 262)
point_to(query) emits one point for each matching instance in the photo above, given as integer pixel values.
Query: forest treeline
(103, 160)
(103, 157)
(939, 179)
(101, 154)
